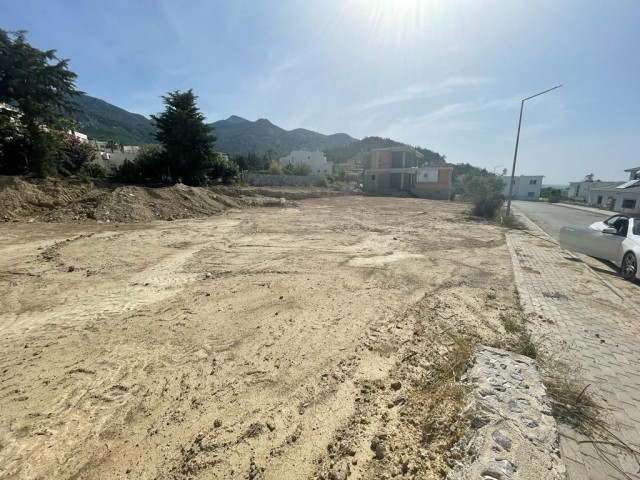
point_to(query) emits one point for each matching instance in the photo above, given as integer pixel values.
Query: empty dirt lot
(303, 355)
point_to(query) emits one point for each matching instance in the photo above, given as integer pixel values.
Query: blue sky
(443, 74)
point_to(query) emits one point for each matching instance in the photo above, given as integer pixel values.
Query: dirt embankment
(62, 201)
(305, 354)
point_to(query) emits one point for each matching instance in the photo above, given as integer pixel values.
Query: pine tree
(41, 86)
(187, 140)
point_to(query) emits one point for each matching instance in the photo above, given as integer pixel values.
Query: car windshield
(636, 226)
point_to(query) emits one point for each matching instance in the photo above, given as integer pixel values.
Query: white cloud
(424, 90)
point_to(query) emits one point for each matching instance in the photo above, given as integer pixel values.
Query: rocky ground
(280, 343)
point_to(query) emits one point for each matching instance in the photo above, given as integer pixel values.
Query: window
(531, 194)
(373, 177)
(396, 159)
(621, 225)
(533, 182)
(599, 201)
(628, 203)
(610, 221)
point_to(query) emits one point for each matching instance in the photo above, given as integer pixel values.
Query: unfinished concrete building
(394, 169)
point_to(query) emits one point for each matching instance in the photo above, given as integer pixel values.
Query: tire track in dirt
(259, 371)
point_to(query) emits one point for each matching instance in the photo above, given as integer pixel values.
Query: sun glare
(400, 17)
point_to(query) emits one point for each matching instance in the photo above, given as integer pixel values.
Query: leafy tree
(274, 168)
(129, 172)
(271, 155)
(14, 142)
(73, 154)
(111, 145)
(151, 163)
(251, 162)
(187, 140)
(41, 86)
(485, 191)
(220, 169)
(300, 169)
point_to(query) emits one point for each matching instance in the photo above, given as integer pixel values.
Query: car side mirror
(610, 230)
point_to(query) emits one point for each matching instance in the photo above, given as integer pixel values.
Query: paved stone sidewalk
(578, 315)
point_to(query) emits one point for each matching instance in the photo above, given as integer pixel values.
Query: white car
(617, 240)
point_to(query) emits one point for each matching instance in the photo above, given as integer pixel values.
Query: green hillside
(103, 121)
(241, 136)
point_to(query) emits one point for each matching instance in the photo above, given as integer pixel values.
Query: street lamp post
(515, 154)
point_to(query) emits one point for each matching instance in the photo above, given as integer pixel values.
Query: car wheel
(629, 266)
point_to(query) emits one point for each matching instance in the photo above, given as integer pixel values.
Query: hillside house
(316, 160)
(394, 169)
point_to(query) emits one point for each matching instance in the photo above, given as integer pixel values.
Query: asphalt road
(550, 217)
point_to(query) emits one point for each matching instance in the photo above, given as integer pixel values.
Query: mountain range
(235, 135)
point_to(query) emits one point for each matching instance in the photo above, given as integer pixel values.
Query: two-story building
(316, 160)
(393, 169)
(525, 187)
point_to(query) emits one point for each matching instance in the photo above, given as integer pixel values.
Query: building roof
(634, 169)
(399, 148)
(613, 188)
(599, 183)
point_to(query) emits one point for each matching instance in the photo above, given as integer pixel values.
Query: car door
(608, 245)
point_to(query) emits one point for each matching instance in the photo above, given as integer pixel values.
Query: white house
(315, 159)
(80, 136)
(620, 197)
(579, 191)
(525, 187)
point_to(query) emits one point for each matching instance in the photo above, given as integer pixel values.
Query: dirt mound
(61, 201)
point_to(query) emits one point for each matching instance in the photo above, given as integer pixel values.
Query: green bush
(321, 182)
(93, 170)
(299, 169)
(221, 170)
(274, 168)
(485, 192)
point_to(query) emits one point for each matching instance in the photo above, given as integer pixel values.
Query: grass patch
(452, 366)
(509, 221)
(511, 324)
(526, 347)
(444, 425)
(571, 403)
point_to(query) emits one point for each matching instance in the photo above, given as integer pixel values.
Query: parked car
(617, 240)
(608, 223)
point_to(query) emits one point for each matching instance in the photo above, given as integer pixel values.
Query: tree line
(36, 135)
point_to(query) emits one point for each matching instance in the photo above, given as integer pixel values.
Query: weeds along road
(119, 358)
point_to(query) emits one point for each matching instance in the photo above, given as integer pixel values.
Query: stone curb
(513, 432)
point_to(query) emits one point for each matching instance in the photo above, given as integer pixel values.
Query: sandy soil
(302, 356)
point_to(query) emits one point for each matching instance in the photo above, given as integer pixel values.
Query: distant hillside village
(380, 170)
